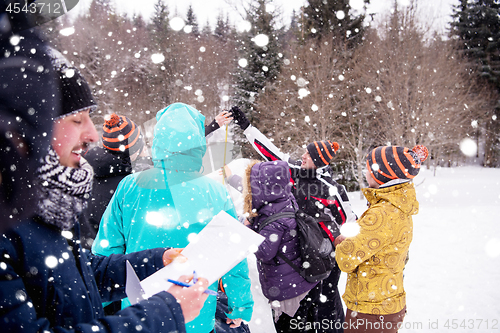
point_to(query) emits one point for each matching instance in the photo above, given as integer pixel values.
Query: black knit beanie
(121, 135)
(76, 95)
(394, 162)
(322, 152)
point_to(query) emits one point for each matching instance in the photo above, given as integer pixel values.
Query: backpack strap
(289, 262)
(275, 217)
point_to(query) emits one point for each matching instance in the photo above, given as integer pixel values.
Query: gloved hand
(240, 118)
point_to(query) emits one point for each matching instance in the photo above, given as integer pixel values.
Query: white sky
(210, 9)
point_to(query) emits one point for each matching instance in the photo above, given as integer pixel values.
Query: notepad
(220, 245)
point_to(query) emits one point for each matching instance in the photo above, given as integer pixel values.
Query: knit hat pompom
(121, 135)
(322, 152)
(112, 121)
(421, 151)
(335, 146)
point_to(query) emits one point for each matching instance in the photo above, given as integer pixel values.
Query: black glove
(240, 118)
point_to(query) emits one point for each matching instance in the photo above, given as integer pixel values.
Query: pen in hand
(187, 285)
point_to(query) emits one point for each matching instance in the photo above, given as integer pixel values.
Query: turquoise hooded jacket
(163, 206)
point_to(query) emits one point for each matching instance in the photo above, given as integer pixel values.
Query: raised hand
(240, 118)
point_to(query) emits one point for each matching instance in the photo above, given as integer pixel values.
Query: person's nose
(90, 133)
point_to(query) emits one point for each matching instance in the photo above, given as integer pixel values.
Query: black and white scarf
(63, 191)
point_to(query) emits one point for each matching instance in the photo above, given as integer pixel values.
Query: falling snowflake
(14, 40)
(349, 229)
(177, 23)
(261, 40)
(67, 31)
(301, 82)
(303, 92)
(157, 58)
(51, 261)
(243, 63)
(468, 147)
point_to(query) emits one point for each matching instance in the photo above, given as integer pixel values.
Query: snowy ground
(453, 274)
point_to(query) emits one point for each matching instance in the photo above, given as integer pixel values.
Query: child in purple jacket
(267, 191)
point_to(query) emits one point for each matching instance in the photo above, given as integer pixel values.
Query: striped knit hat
(121, 135)
(393, 162)
(322, 152)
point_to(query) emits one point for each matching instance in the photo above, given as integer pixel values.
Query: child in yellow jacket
(374, 258)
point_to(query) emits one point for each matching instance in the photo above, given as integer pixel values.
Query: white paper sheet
(221, 245)
(133, 287)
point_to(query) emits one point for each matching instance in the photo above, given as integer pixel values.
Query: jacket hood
(179, 138)
(401, 196)
(267, 183)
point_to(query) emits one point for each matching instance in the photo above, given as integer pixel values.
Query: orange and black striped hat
(121, 135)
(394, 162)
(322, 152)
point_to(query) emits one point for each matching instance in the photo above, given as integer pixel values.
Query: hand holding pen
(190, 298)
(195, 281)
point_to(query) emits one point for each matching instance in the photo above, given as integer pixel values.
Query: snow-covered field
(453, 276)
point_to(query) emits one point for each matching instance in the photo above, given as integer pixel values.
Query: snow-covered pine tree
(163, 43)
(259, 48)
(207, 30)
(192, 21)
(221, 30)
(476, 28)
(323, 17)
(159, 28)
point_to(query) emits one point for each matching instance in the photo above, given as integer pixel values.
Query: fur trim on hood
(247, 190)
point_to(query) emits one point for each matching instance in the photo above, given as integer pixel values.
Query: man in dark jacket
(320, 196)
(47, 281)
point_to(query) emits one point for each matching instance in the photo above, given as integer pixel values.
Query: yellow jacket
(374, 259)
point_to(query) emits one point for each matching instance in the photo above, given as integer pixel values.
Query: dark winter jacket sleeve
(47, 286)
(110, 271)
(159, 313)
(213, 126)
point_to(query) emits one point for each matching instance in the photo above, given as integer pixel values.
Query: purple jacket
(269, 192)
